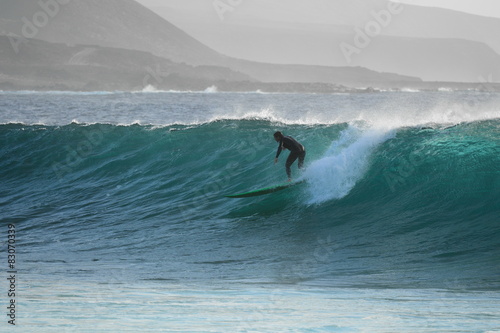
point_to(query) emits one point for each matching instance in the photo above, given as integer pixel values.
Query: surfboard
(265, 190)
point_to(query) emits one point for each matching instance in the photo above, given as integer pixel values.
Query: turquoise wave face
(448, 164)
(409, 198)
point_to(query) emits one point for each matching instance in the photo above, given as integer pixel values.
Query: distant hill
(431, 43)
(53, 66)
(125, 24)
(110, 23)
(435, 59)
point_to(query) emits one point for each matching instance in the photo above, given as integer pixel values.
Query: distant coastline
(253, 87)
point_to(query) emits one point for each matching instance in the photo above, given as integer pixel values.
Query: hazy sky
(479, 7)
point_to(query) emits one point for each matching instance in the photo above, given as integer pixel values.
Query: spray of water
(335, 174)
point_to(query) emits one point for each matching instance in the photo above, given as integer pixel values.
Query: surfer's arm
(280, 148)
(277, 154)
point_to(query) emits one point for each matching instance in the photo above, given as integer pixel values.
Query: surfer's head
(278, 136)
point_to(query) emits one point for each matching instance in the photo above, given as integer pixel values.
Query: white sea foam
(211, 89)
(335, 174)
(381, 110)
(150, 89)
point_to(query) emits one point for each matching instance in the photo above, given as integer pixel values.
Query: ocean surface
(121, 222)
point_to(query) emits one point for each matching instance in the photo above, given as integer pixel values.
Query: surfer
(296, 151)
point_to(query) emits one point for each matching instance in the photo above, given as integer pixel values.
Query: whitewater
(118, 202)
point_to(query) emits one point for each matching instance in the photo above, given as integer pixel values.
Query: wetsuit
(296, 151)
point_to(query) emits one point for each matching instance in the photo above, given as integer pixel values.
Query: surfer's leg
(302, 156)
(289, 161)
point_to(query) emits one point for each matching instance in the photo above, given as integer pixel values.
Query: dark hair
(278, 134)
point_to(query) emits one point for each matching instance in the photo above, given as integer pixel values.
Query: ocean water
(121, 224)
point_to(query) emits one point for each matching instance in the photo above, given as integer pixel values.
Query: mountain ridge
(43, 65)
(313, 35)
(125, 24)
